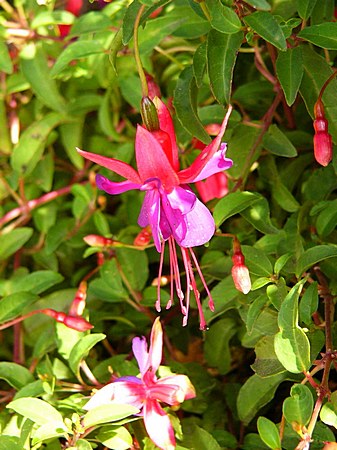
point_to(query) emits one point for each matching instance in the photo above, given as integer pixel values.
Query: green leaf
(9, 442)
(254, 310)
(305, 8)
(38, 281)
(222, 51)
(199, 63)
(217, 352)
(233, 204)
(34, 66)
(277, 293)
(135, 267)
(155, 31)
(298, 407)
(28, 151)
(284, 197)
(199, 438)
(91, 22)
(323, 35)
(12, 305)
(117, 438)
(266, 26)
(37, 410)
(74, 51)
(262, 5)
(277, 142)
(266, 362)
(328, 413)
(293, 350)
(269, 433)
(257, 261)
(6, 64)
(326, 220)
(223, 18)
(13, 241)
(15, 374)
(81, 350)
(46, 18)
(185, 103)
(108, 413)
(256, 393)
(314, 255)
(288, 315)
(309, 303)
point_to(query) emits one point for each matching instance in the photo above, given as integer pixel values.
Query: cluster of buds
(240, 272)
(322, 139)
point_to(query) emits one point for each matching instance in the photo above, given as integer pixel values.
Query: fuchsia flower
(148, 391)
(170, 207)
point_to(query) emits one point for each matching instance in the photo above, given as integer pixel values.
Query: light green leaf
(223, 18)
(34, 66)
(155, 31)
(115, 437)
(292, 348)
(269, 433)
(298, 407)
(57, 17)
(13, 241)
(266, 26)
(222, 51)
(305, 8)
(108, 413)
(6, 64)
(91, 22)
(74, 51)
(328, 413)
(233, 204)
(323, 35)
(185, 103)
(81, 349)
(36, 410)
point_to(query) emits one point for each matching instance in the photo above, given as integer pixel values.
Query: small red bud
(95, 240)
(154, 89)
(240, 272)
(77, 323)
(322, 138)
(143, 237)
(78, 304)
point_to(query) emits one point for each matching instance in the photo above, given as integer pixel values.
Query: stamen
(210, 299)
(176, 274)
(161, 262)
(189, 272)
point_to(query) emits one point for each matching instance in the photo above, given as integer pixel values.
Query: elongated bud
(76, 323)
(322, 138)
(240, 272)
(154, 89)
(149, 114)
(78, 304)
(95, 240)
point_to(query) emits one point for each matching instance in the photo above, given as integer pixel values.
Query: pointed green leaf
(292, 348)
(323, 35)
(258, 215)
(309, 303)
(81, 349)
(262, 5)
(266, 362)
(222, 51)
(15, 374)
(6, 64)
(91, 22)
(269, 433)
(314, 255)
(223, 18)
(277, 142)
(289, 70)
(217, 352)
(185, 103)
(233, 204)
(257, 261)
(12, 305)
(34, 66)
(199, 63)
(266, 26)
(57, 17)
(36, 410)
(74, 51)
(305, 8)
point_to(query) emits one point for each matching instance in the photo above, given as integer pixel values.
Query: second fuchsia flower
(170, 207)
(146, 392)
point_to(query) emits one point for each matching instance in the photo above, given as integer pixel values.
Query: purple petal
(200, 227)
(114, 188)
(216, 164)
(139, 348)
(150, 215)
(181, 198)
(176, 221)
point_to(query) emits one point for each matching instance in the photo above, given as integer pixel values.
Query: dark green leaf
(200, 438)
(277, 142)
(263, 5)
(34, 66)
(38, 281)
(323, 35)
(223, 18)
(258, 215)
(185, 103)
(12, 305)
(266, 26)
(257, 261)
(13, 241)
(284, 197)
(309, 303)
(326, 221)
(314, 255)
(155, 31)
(199, 63)
(269, 433)
(305, 8)
(254, 310)
(217, 352)
(233, 204)
(222, 50)
(289, 70)
(74, 51)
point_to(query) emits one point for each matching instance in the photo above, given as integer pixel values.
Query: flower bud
(154, 89)
(78, 304)
(240, 272)
(149, 114)
(143, 237)
(77, 323)
(95, 240)
(322, 139)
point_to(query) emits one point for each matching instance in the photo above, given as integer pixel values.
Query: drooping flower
(148, 392)
(240, 272)
(322, 138)
(170, 207)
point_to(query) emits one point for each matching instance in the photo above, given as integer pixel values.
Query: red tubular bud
(240, 272)
(94, 240)
(78, 304)
(77, 323)
(154, 89)
(143, 237)
(322, 139)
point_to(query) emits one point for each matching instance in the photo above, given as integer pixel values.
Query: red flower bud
(77, 323)
(322, 139)
(143, 237)
(154, 89)
(240, 272)
(95, 240)
(78, 304)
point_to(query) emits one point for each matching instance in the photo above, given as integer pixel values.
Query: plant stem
(145, 90)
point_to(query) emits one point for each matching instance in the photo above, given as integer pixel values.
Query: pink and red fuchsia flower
(170, 207)
(147, 392)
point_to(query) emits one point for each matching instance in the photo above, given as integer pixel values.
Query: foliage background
(270, 60)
